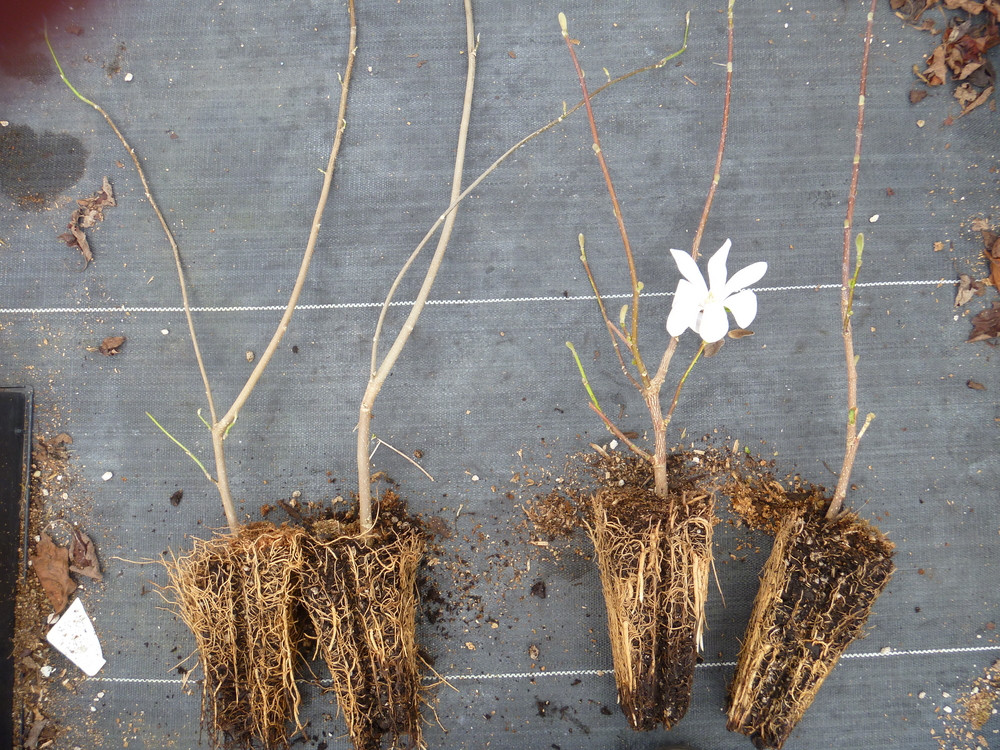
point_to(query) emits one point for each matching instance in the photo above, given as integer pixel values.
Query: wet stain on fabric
(35, 168)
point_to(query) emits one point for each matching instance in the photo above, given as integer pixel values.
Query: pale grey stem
(378, 377)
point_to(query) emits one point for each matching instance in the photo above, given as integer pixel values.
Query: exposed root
(654, 556)
(817, 590)
(239, 596)
(361, 596)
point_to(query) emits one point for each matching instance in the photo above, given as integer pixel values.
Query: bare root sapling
(654, 544)
(827, 566)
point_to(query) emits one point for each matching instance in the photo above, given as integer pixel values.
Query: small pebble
(947, 709)
(106, 476)
(128, 76)
(475, 477)
(613, 444)
(47, 670)
(873, 218)
(921, 695)
(164, 331)
(885, 650)
(945, 695)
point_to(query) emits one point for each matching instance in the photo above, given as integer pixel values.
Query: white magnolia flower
(701, 307)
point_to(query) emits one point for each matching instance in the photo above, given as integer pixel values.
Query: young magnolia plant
(654, 546)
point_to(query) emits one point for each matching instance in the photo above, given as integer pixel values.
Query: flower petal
(745, 277)
(743, 306)
(714, 324)
(685, 309)
(717, 269)
(689, 270)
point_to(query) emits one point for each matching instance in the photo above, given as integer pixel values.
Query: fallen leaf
(31, 743)
(992, 254)
(937, 70)
(976, 386)
(986, 325)
(112, 345)
(712, 349)
(88, 213)
(51, 564)
(738, 333)
(976, 102)
(83, 556)
(175, 499)
(967, 288)
(91, 209)
(917, 96)
(76, 238)
(967, 5)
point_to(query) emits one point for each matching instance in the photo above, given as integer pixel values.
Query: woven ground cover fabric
(231, 107)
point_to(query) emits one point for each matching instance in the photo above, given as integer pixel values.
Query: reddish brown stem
(853, 437)
(616, 207)
(722, 139)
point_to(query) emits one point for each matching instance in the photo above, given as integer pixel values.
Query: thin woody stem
(722, 138)
(377, 378)
(616, 207)
(489, 170)
(852, 437)
(680, 384)
(613, 428)
(612, 328)
(220, 428)
(223, 487)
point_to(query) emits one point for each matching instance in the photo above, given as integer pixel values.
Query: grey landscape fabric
(231, 107)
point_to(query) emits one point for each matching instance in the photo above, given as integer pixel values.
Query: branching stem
(616, 208)
(648, 387)
(378, 375)
(220, 427)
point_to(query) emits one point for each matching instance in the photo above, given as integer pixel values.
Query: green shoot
(583, 376)
(182, 446)
(859, 243)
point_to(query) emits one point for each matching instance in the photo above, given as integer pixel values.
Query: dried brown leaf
(51, 564)
(712, 349)
(917, 96)
(112, 345)
(937, 70)
(969, 69)
(967, 289)
(976, 386)
(992, 254)
(967, 5)
(986, 325)
(83, 556)
(88, 213)
(976, 102)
